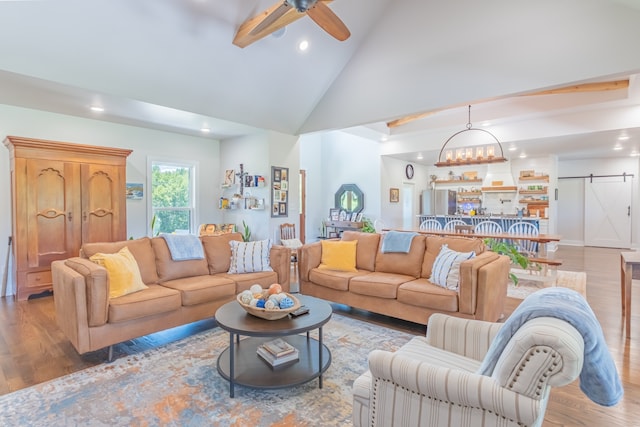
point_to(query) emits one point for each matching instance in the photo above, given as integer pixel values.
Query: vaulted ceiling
(171, 64)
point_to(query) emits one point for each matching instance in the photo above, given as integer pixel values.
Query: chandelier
(473, 155)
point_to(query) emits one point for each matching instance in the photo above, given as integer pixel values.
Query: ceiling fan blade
(248, 33)
(270, 15)
(329, 21)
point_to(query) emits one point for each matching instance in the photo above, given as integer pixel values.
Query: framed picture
(135, 191)
(394, 195)
(229, 178)
(334, 214)
(359, 217)
(354, 216)
(279, 192)
(343, 215)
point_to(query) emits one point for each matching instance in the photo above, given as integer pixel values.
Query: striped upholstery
(431, 381)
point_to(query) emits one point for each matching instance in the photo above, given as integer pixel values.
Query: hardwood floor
(33, 349)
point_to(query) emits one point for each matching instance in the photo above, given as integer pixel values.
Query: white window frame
(193, 184)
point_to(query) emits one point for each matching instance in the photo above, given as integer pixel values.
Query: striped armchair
(432, 380)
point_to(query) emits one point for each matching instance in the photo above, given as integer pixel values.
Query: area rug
(178, 385)
(576, 280)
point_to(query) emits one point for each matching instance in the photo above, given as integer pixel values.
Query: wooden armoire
(63, 195)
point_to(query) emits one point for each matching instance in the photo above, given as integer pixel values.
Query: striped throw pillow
(250, 257)
(446, 267)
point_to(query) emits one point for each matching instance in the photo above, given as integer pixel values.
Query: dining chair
(430, 224)
(289, 240)
(451, 225)
(528, 247)
(488, 227)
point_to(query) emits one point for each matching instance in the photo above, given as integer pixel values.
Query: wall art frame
(279, 192)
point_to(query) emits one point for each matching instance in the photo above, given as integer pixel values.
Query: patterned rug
(179, 385)
(576, 280)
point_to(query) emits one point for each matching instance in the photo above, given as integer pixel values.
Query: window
(172, 197)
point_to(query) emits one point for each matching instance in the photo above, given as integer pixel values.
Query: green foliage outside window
(171, 198)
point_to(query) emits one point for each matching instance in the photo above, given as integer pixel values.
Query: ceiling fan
(285, 12)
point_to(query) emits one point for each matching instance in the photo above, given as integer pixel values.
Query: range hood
(499, 178)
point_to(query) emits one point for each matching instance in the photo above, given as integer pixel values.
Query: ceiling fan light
(302, 5)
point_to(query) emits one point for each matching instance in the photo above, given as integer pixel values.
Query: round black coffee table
(240, 364)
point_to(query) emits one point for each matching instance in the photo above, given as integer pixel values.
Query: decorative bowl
(263, 313)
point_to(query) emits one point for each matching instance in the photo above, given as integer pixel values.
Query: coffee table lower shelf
(252, 371)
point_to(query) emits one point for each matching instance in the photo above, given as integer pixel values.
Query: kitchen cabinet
(63, 195)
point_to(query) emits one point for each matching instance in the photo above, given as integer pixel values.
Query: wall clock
(408, 171)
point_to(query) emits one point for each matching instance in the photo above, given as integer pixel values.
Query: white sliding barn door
(607, 216)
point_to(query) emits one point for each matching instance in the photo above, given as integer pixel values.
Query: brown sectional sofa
(178, 292)
(397, 284)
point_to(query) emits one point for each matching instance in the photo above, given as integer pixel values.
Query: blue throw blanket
(183, 246)
(599, 378)
(397, 241)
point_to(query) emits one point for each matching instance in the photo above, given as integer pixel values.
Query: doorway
(408, 214)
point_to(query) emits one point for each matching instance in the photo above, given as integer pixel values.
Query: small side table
(628, 261)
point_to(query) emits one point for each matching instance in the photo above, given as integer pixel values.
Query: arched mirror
(349, 198)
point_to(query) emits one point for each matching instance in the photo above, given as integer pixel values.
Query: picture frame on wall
(279, 192)
(394, 195)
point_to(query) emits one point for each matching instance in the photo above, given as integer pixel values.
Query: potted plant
(510, 250)
(246, 233)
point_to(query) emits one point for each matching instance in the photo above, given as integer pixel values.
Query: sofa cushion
(400, 263)
(367, 248)
(381, 285)
(245, 280)
(249, 257)
(168, 269)
(140, 249)
(338, 255)
(422, 293)
(148, 302)
(458, 244)
(124, 274)
(338, 280)
(218, 251)
(446, 267)
(200, 289)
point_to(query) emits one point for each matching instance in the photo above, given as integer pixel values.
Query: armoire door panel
(52, 197)
(102, 207)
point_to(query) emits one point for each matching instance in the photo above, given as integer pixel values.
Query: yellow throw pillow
(124, 274)
(338, 255)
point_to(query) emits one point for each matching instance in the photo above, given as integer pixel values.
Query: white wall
(258, 153)
(144, 142)
(332, 159)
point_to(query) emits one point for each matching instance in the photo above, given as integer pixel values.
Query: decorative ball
(253, 302)
(258, 295)
(256, 289)
(246, 297)
(271, 305)
(260, 303)
(275, 288)
(286, 302)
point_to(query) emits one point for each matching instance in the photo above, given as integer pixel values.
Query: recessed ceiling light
(617, 147)
(623, 137)
(634, 154)
(513, 148)
(522, 155)
(303, 45)
(419, 157)
(486, 124)
(97, 109)
(205, 129)
(384, 138)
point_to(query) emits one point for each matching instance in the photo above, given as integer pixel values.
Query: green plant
(367, 226)
(153, 226)
(246, 233)
(510, 250)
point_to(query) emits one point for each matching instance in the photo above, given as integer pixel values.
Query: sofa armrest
(309, 257)
(280, 262)
(96, 280)
(69, 297)
(483, 286)
(403, 388)
(466, 337)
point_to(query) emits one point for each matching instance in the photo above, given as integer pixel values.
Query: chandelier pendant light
(474, 155)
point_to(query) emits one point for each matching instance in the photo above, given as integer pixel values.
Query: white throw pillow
(291, 243)
(446, 267)
(250, 257)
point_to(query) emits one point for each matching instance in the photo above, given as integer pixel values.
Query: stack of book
(278, 353)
